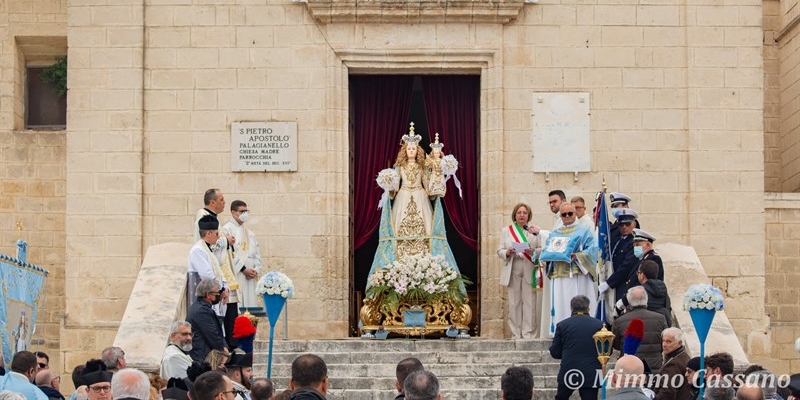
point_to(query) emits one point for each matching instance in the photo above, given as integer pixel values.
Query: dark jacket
(574, 346)
(306, 393)
(658, 299)
(51, 393)
(675, 364)
(625, 267)
(654, 323)
(206, 330)
(653, 256)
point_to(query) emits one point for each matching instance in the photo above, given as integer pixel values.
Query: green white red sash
(519, 236)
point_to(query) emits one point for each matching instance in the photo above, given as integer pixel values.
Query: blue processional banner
(21, 283)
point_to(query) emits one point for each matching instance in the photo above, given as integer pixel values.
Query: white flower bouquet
(275, 282)
(417, 278)
(703, 296)
(449, 168)
(449, 165)
(388, 180)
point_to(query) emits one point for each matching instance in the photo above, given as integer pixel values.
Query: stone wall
(32, 166)
(676, 93)
(782, 271)
(790, 92)
(32, 183)
(773, 178)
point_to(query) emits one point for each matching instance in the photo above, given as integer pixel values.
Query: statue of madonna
(413, 223)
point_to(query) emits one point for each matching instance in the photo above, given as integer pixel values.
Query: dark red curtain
(381, 105)
(451, 108)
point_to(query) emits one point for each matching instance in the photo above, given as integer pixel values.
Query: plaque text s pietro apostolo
(264, 146)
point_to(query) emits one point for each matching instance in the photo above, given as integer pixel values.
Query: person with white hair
(176, 356)
(675, 359)
(9, 395)
(130, 384)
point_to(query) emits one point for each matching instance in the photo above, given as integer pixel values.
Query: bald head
(45, 377)
(628, 371)
(568, 215)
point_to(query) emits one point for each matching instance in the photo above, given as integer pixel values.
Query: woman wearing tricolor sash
(519, 274)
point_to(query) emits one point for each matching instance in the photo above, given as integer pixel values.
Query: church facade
(693, 113)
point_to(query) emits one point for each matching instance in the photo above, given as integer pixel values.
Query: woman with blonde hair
(217, 359)
(519, 274)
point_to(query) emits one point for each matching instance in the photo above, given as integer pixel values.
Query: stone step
(450, 394)
(431, 357)
(441, 370)
(365, 369)
(396, 345)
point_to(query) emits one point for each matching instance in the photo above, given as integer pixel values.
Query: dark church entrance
(381, 108)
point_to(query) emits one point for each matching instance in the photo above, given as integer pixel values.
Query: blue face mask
(638, 251)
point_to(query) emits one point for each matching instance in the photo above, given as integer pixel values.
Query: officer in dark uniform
(618, 201)
(643, 249)
(625, 262)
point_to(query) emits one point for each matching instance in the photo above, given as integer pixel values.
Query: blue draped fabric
(19, 304)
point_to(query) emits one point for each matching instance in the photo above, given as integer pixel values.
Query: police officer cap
(619, 198)
(208, 223)
(626, 214)
(640, 235)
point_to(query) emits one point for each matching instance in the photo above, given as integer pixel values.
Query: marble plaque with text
(263, 146)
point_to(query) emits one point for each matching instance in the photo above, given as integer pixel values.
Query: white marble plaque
(263, 146)
(561, 132)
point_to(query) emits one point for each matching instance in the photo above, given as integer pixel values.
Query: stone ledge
(781, 200)
(400, 11)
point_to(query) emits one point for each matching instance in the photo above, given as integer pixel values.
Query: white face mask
(243, 216)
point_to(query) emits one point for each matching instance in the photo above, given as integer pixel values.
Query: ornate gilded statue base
(440, 316)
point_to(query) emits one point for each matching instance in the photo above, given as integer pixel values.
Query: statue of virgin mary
(413, 223)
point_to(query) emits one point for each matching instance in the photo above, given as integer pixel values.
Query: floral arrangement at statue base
(702, 301)
(421, 283)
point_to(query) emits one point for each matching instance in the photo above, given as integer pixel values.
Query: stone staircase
(361, 369)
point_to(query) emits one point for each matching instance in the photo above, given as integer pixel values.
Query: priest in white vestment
(569, 279)
(246, 255)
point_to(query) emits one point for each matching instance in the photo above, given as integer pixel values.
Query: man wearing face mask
(206, 327)
(247, 254)
(643, 250)
(239, 369)
(625, 262)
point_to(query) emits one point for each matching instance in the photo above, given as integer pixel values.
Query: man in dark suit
(206, 327)
(574, 346)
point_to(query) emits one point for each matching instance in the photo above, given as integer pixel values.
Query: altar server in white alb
(246, 254)
(203, 264)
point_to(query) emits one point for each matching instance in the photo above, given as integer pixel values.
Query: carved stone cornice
(415, 11)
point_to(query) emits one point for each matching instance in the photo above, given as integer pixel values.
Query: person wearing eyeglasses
(580, 210)
(213, 385)
(625, 261)
(97, 379)
(571, 252)
(50, 384)
(21, 376)
(42, 359)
